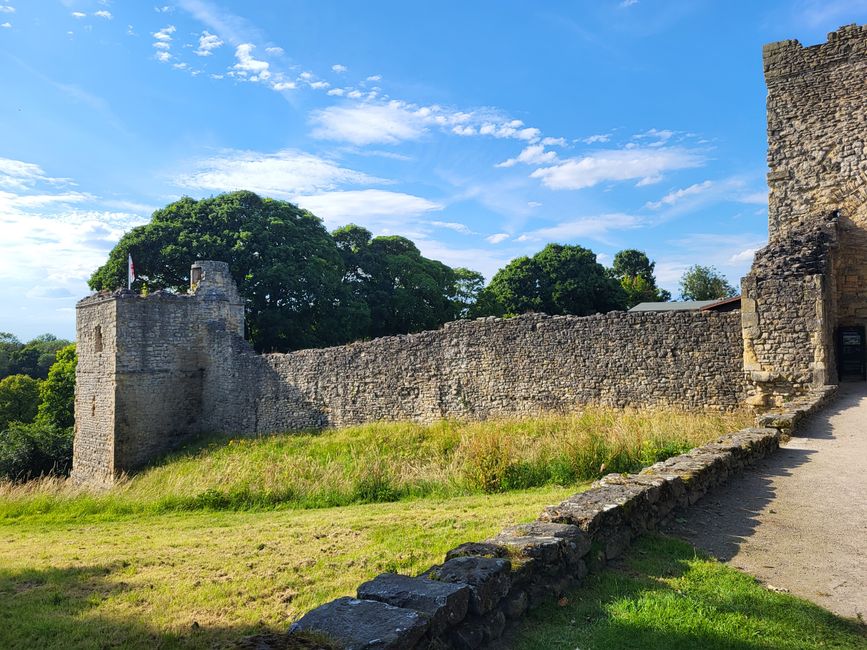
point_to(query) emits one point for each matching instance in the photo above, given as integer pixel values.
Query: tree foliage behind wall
(557, 280)
(302, 286)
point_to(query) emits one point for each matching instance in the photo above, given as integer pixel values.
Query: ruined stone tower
(142, 367)
(807, 290)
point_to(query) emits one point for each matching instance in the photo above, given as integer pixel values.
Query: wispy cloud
(597, 228)
(534, 154)
(339, 69)
(7, 9)
(208, 43)
(647, 165)
(497, 238)
(453, 225)
(363, 124)
(283, 174)
(678, 195)
(364, 205)
(102, 13)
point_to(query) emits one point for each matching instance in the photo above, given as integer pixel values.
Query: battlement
(784, 59)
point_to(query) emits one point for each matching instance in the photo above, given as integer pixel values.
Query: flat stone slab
(366, 624)
(445, 603)
(488, 579)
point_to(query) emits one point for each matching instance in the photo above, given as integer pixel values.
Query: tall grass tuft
(384, 462)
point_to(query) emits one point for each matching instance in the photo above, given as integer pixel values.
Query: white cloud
(163, 56)
(498, 238)
(646, 165)
(550, 142)
(628, 3)
(590, 227)
(7, 9)
(453, 225)
(274, 51)
(208, 43)
(319, 85)
(362, 205)
(534, 154)
(78, 14)
(165, 9)
(678, 195)
(19, 175)
(744, 256)
(339, 69)
(6, 25)
(165, 34)
(283, 85)
(102, 13)
(248, 65)
(162, 45)
(283, 174)
(599, 137)
(368, 123)
(336, 92)
(374, 77)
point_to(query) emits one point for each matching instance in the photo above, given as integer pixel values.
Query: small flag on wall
(130, 277)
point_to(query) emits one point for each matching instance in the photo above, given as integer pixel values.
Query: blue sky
(481, 130)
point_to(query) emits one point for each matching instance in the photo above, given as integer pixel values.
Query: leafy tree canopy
(557, 280)
(705, 283)
(57, 393)
(19, 399)
(302, 287)
(402, 290)
(285, 263)
(634, 270)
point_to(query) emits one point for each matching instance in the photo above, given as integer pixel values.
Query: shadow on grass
(664, 595)
(60, 608)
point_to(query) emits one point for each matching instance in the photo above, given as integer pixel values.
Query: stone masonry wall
(812, 277)
(484, 368)
(177, 365)
(140, 371)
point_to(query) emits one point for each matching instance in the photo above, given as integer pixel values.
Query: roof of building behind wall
(684, 305)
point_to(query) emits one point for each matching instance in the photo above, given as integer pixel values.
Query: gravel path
(798, 520)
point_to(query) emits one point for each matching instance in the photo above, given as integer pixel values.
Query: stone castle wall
(485, 368)
(178, 366)
(812, 277)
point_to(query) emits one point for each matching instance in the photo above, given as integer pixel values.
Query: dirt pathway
(798, 520)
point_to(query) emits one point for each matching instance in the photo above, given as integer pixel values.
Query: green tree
(634, 270)
(19, 399)
(705, 283)
(9, 344)
(33, 358)
(467, 287)
(403, 291)
(287, 267)
(557, 280)
(57, 392)
(36, 449)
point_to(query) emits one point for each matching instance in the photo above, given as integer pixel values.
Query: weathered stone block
(444, 603)
(366, 624)
(488, 579)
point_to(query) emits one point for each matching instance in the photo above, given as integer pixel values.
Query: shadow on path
(798, 519)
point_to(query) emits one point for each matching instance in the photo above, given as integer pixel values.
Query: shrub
(37, 449)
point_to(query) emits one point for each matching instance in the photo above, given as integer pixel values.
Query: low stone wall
(468, 600)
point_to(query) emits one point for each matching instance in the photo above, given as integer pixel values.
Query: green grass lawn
(235, 537)
(194, 579)
(664, 595)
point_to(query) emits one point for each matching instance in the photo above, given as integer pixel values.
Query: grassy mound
(385, 462)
